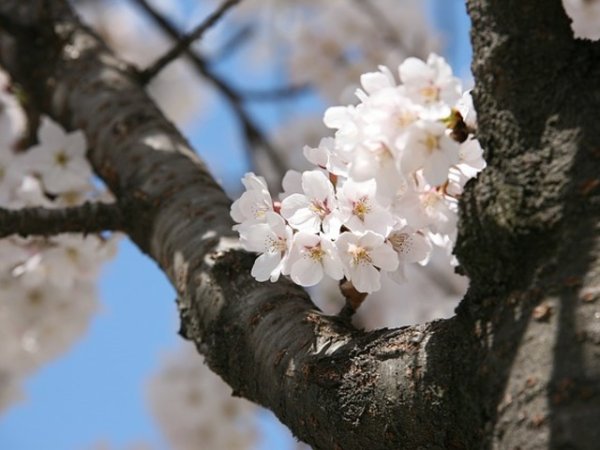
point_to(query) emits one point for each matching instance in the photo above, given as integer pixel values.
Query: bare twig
(184, 42)
(91, 217)
(274, 94)
(234, 42)
(381, 22)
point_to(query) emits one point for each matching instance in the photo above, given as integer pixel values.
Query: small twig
(254, 135)
(184, 42)
(274, 94)
(90, 217)
(381, 22)
(240, 37)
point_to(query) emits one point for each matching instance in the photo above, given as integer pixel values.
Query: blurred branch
(234, 42)
(254, 135)
(184, 42)
(12, 27)
(274, 94)
(381, 22)
(91, 217)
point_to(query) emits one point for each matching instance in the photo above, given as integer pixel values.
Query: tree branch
(274, 94)
(91, 217)
(184, 42)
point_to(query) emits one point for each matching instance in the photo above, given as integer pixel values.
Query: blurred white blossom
(195, 409)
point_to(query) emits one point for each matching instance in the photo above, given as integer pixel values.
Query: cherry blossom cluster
(384, 190)
(48, 284)
(195, 409)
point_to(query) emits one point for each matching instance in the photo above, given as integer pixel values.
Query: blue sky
(96, 391)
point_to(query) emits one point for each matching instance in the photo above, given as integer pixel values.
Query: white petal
(398, 275)
(413, 247)
(415, 71)
(384, 257)
(380, 221)
(254, 237)
(371, 239)
(291, 183)
(336, 117)
(306, 272)
(316, 185)
(374, 81)
(253, 182)
(436, 168)
(333, 265)
(366, 278)
(265, 265)
(293, 203)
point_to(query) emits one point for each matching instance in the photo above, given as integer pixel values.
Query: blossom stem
(353, 299)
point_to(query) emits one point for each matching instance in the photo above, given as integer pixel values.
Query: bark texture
(517, 367)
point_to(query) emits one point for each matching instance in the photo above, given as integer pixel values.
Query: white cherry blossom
(272, 240)
(59, 159)
(311, 257)
(315, 209)
(195, 409)
(255, 203)
(389, 181)
(431, 84)
(471, 160)
(362, 255)
(428, 147)
(360, 210)
(411, 247)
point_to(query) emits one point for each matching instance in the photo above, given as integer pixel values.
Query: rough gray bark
(517, 367)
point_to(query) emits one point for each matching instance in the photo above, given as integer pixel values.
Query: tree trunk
(517, 367)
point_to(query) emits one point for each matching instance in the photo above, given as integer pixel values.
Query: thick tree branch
(529, 233)
(184, 42)
(91, 217)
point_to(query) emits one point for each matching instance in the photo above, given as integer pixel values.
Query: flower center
(319, 208)
(361, 208)
(61, 158)
(398, 240)
(430, 93)
(276, 245)
(405, 117)
(260, 211)
(383, 155)
(432, 142)
(430, 199)
(315, 253)
(360, 255)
